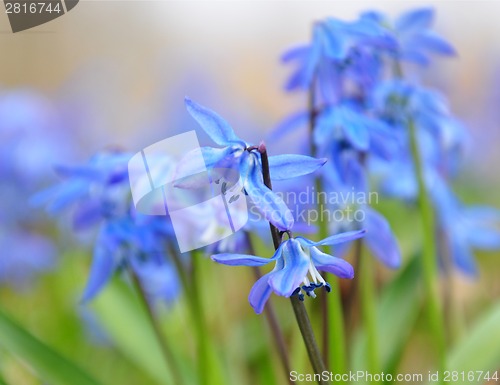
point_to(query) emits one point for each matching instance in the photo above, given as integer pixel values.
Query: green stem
(160, 336)
(298, 306)
(307, 334)
(429, 259)
(367, 297)
(335, 338)
(192, 293)
(272, 320)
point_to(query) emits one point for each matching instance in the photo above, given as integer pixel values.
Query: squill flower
(298, 262)
(239, 155)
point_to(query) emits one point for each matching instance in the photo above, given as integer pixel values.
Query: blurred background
(114, 74)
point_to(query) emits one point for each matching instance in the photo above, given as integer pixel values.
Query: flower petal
(331, 264)
(260, 293)
(380, 239)
(434, 43)
(215, 126)
(191, 172)
(289, 125)
(296, 265)
(103, 267)
(334, 239)
(355, 127)
(270, 205)
(463, 257)
(291, 166)
(415, 20)
(240, 259)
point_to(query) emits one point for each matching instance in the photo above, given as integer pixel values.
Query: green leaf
(50, 365)
(480, 349)
(2, 381)
(397, 313)
(124, 319)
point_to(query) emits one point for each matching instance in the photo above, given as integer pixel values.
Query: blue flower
(464, 228)
(297, 265)
(334, 43)
(237, 154)
(99, 193)
(413, 34)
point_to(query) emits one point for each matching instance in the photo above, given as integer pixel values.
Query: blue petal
(260, 293)
(331, 264)
(434, 43)
(291, 166)
(415, 20)
(296, 265)
(334, 239)
(267, 202)
(483, 227)
(294, 53)
(103, 266)
(290, 124)
(87, 213)
(242, 259)
(215, 126)
(354, 127)
(62, 195)
(463, 257)
(380, 239)
(190, 171)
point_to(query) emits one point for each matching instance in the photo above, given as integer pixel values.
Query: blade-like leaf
(124, 319)
(397, 313)
(479, 350)
(52, 367)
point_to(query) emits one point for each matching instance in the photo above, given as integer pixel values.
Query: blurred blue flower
(295, 259)
(464, 228)
(413, 34)
(99, 192)
(334, 44)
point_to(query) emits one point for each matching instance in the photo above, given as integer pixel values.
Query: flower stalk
(367, 298)
(335, 337)
(160, 336)
(429, 259)
(272, 321)
(298, 306)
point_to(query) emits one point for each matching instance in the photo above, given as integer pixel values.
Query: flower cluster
(361, 110)
(99, 194)
(297, 260)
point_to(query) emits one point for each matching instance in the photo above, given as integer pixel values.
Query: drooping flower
(298, 262)
(237, 154)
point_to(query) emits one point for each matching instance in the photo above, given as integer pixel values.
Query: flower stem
(325, 311)
(298, 306)
(272, 320)
(429, 259)
(335, 336)
(160, 336)
(191, 290)
(367, 299)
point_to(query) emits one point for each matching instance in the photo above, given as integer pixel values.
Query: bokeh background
(115, 73)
